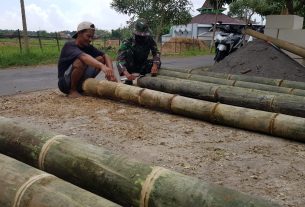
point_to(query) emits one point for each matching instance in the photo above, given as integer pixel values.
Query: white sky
(59, 15)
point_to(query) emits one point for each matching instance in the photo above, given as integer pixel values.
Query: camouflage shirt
(137, 53)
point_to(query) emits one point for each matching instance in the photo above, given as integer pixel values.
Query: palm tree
(25, 31)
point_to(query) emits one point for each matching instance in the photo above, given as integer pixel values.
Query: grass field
(48, 52)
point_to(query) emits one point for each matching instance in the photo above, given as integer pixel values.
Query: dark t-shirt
(70, 52)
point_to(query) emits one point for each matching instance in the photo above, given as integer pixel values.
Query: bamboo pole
(265, 122)
(246, 78)
(249, 98)
(237, 81)
(115, 177)
(23, 185)
(295, 49)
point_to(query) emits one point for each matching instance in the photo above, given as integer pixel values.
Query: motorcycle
(227, 41)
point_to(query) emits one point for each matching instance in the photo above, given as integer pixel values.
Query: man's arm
(156, 57)
(122, 59)
(89, 60)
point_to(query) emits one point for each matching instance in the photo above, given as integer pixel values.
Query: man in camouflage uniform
(133, 53)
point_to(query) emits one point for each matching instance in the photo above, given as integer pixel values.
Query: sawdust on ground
(256, 164)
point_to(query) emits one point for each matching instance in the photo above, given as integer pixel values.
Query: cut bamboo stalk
(115, 177)
(246, 78)
(231, 80)
(23, 185)
(249, 98)
(244, 118)
(255, 79)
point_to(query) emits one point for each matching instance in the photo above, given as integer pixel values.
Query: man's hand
(154, 70)
(108, 73)
(128, 75)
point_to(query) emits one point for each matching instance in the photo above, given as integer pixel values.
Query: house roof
(208, 7)
(210, 19)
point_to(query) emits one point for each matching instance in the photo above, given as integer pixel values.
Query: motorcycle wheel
(219, 55)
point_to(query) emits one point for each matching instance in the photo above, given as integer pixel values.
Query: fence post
(39, 40)
(180, 47)
(175, 46)
(19, 37)
(161, 47)
(193, 43)
(57, 41)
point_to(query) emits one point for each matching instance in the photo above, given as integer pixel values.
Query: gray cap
(83, 26)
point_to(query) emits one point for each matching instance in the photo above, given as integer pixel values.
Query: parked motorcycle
(227, 41)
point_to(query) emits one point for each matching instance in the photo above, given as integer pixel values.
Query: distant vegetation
(45, 46)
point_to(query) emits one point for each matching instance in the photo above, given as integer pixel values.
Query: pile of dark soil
(259, 58)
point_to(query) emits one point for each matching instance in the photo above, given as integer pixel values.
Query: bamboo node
(191, 70)
(212, 117)
(170, 102)
(45, 148)
(272, 121)
(149, 184)
(281, 82)
(26, 185)
(291, 91)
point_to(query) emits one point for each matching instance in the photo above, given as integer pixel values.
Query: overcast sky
(59, 15)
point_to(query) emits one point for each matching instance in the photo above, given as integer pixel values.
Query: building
(201, 25)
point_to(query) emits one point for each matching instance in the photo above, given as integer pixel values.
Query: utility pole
(214, 27)
(25, 30)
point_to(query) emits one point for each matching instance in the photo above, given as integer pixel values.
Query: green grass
(192, 52)
(11, 56)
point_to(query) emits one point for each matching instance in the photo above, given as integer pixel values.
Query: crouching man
(79, 60)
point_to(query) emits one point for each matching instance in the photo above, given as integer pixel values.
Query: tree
(265, 7)
(246, 8)
(159, 13)
(220, 3)
(25, 31)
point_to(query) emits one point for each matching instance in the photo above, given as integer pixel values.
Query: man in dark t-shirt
(80, 60)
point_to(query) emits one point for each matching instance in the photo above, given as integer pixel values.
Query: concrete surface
(284, 22)
(35, 78)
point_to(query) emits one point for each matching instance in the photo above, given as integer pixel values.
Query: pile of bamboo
(281, 125)
(112, 176)
(237, 96)
(22, 185)
(242, 81)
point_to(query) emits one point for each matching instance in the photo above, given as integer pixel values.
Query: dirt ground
(256, 164)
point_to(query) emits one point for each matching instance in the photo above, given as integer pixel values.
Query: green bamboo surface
(249, 98)
(251, 82)
(115, 177)
(220, 78)
(22, 185)
(281, 125)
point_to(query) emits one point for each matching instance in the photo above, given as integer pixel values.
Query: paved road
(27, 79)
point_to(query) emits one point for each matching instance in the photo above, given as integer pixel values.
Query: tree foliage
(219, 3)
(267, 7)
(246, 8)
(159, 13)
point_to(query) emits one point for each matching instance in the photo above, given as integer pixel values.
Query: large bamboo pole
(249, 98)
(23, 185)
(219, 78)
(115, 177)
(246, 78)
(295, 49)
(265, 122)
